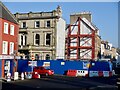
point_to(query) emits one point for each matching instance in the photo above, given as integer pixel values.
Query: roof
(6, 14)
(35, 15)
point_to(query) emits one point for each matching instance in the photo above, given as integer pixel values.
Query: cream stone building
(107, 50)
(42, 34)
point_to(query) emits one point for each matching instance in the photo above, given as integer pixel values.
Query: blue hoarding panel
(100, 66)
(23, 66)
(60, 66)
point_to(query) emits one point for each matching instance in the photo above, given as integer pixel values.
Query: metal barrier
(83, 73)
(71, 72)
(93, 74)
(107, 73)
(100, 73)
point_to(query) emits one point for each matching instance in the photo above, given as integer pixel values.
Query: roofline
(33, 12)
(31, 18)
(8, 11)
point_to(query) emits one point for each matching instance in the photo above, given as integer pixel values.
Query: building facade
(82, 38)
(107, 50)
(42, 34)
(8, 37)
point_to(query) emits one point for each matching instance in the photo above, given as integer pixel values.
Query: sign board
(32, 63)
(33, 57)
(46, 64)
(86, 65)
(93, 64)
(17, 57)
(6, 57)
(62, 63)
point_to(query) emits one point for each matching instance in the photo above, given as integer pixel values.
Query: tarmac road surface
(62, 82)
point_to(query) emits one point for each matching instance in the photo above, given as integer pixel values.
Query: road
(63, 82)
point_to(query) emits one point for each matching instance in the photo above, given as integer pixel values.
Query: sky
(104, 14)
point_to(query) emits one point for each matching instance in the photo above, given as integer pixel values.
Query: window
(21, 40)
(11, 29)
(5, 28)
(48, 23)
(37, 39)
(47, 57)
(48, 39)
(25, 40)
(11, 48)
(37, 24)
(5, 47)
(36, 56)
(24, 25)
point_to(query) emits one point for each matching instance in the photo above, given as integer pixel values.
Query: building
(42, 34)
(8, 39)
(107, 50)
(82, 39)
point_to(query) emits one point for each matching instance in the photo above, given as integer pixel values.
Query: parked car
(43, 71)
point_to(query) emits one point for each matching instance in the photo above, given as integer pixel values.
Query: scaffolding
(80, 41)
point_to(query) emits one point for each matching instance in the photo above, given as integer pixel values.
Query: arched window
(37, 39)
(47, 57)
(48, 39)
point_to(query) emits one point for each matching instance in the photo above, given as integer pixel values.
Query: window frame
(48, 25)
(47, 56)
(12, 30)
(4, 47)
(37, 39)
(37, 24)
(23, 24)
(21, 37)
(47, 39)
(11, 48)
(6, 28)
